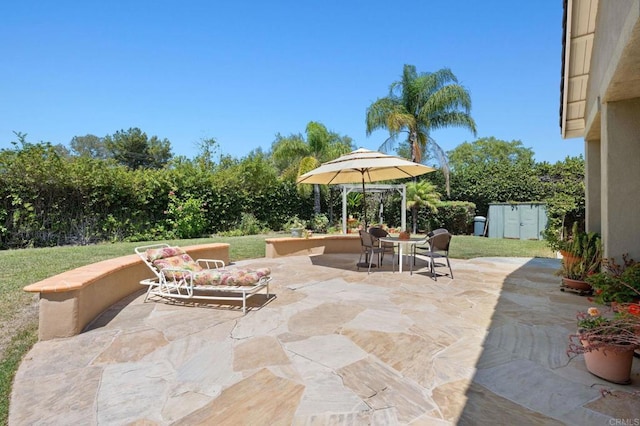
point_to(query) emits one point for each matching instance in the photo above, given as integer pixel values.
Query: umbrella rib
(406, 173)
(363, 171)
(335, 175)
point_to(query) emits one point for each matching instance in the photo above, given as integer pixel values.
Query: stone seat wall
(71, 300)
(321, 244)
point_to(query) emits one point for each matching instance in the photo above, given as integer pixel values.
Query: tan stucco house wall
(601, 104)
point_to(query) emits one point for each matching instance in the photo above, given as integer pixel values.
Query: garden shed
(522, 221)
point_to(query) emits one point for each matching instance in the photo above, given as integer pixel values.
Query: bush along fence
(47, 199)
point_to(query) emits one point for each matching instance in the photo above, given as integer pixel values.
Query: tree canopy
(134, 149)
(90, 146)
(294, 156)
(485, 151)
(490, 170)
(417, 105)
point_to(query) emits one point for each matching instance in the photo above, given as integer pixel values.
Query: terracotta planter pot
(611, 364)
(576, 284)
(404, 236)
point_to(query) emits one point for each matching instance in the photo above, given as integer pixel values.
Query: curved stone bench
(279, 247)
(71, 300)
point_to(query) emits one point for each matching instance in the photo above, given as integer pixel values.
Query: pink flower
(594, 312)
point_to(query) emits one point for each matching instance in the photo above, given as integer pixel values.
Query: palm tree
(294, 156)
(421, 194)
(417, 105)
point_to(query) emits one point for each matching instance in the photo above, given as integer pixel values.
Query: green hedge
(47, 199)
(455, 216)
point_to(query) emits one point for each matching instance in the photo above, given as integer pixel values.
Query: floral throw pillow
(208, 277)
(161, 253)
(239, 277)
(181, 261)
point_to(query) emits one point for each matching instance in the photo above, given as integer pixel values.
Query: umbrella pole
(364, 211)
(364, 203)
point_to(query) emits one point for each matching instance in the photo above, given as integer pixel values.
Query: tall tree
(293, 153)
(417, 105)
(207, 149)
(491, 170)
(90, 146)
(135, 150)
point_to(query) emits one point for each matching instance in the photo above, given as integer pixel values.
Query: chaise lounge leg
(244, 303)
(148, 293)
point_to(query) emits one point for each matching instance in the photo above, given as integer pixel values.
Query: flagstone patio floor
(334, 346)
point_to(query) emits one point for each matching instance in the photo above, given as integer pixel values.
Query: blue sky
(241, 71)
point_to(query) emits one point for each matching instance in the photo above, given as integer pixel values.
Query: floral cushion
(161, 253)
(208, 277)
(177, 258)
(181, 261)
(234, 277)
(244, 276)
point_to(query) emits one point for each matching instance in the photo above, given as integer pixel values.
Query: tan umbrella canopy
(364, 166)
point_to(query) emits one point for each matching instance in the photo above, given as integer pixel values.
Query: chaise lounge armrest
(211, 263)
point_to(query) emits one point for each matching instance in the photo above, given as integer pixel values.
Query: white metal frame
(165, 285)
(346, 189)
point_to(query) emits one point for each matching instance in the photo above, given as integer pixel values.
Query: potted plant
(616, 283)
(296, 226)
(582, 256)
(319, 222)
(608, 342)
(351, 223)
(404, 235)
(567, 242)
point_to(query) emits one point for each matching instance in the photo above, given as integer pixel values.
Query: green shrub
(231, 233)
(249, 225)
(319, 222)
(616, 282)
(186, 218)
(49, 199)
(455, 216)
(294, 222)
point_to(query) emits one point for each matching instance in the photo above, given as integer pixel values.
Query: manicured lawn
(22, 267)
(468, 247)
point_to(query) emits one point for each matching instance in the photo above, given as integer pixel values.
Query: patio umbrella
(364, 166)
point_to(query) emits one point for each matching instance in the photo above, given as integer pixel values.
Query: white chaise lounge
(179, 277)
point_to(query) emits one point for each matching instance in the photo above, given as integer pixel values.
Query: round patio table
(401, 243)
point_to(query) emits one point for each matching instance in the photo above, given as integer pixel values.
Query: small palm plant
(420, 195)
